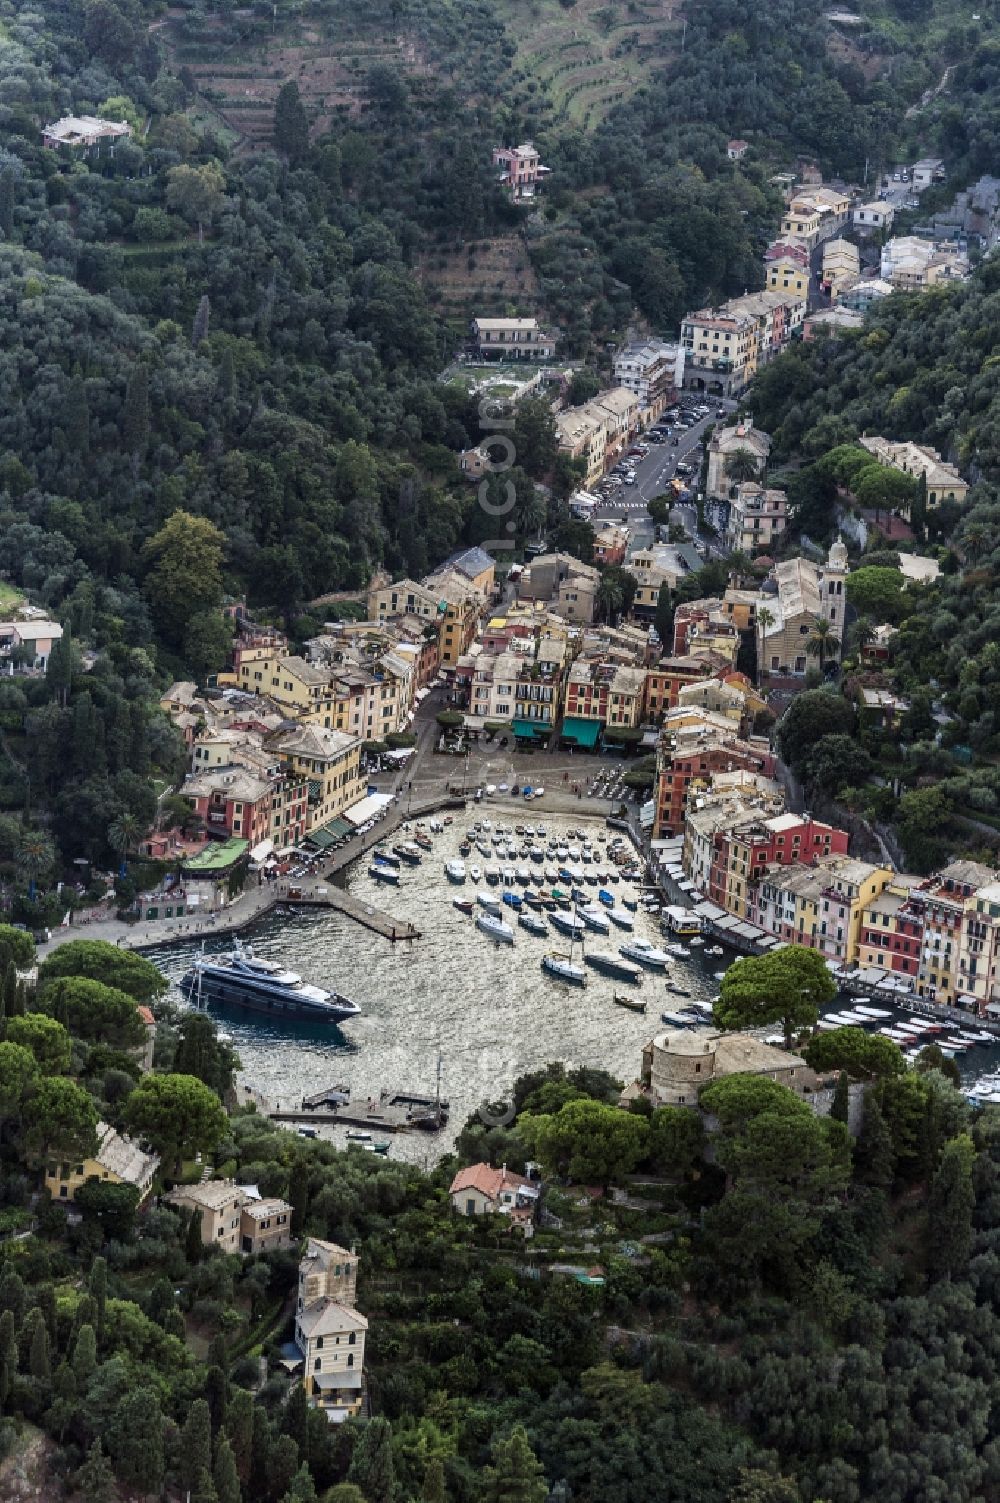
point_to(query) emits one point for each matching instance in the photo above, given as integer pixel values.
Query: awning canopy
(527, 730)
(328, 1382)
(583, 732)
(367, 808)
(262, 851)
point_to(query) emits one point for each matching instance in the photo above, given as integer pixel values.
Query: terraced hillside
(591, 56)
(580, 60)
(493, 276)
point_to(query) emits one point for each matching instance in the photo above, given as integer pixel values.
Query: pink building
(520, 170)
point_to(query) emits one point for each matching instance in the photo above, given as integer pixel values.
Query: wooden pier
(381, 923)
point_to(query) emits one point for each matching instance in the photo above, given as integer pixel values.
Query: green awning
(321, 838)
(527, 730)
(583, 732)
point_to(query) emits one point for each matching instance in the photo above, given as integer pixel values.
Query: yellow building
(117, 1161)
(722, 348)
(290, 681)
(331, 762)
(788, 275)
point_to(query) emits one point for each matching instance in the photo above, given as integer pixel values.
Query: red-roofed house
(736, 150)
(481, 1190)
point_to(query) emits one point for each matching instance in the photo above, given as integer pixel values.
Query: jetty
(393, 1111)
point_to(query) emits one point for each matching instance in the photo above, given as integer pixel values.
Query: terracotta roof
(487, 1180)
(146, 1016)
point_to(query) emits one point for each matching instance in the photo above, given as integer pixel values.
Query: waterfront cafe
(217, 873)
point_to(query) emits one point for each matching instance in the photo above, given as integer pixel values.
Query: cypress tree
(196, 1444)
(260, 1450)
(841, 1100)
(218, 1355)
(950, 1206)
(224, 1475)
(98, 1290)
(296, 1417)
(227, 377)
(204, 1489)
(193, 1245)
(291, 123)
(8, 1355)
(85, 1354)
(217, 1396)
(239, 1428)
(874, 1157)
(77, 416)
(39, 1364)
(298, 1195)
(9, 987)
(95, 1480)
(7, 201)
(135, 416)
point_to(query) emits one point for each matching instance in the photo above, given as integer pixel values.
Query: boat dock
(319, 895)
(394, 1111)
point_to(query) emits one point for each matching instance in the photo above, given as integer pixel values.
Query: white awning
(262, 851)
(367, 808)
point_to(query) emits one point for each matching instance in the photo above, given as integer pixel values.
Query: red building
(750, 849)
(677, 769)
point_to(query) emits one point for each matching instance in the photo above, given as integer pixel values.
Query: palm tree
(741, 465)
(974, 542)
(123, 836)
(864, 633)
(609, 598)
(822, 641)
(35, 858)
(765, 618)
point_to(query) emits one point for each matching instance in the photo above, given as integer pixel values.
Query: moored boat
(408, 853)
(455, 871)
(513, 900)
(621, 920)
(464, 905)
(568, 923)
(594, 919)
(532, 923)
(634, 1004)
(495, 928)
(612, 965)
(383, 873)
(606, 898)
(564, 969)
(488, 901)
(645, 953)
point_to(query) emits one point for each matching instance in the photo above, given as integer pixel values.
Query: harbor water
(488, 1010)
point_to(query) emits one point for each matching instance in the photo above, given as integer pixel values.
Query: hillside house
(85, 134)
(519, 170)
(117, 1161)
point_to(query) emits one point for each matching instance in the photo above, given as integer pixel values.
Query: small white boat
(509, 876)
(877, 1014)
(488, 901)
(721, 976)
(645, 953)
(621, 920)
(714, 950)
(551, 875)
(564, 969)
(679, 1019)
(455, 870)
(536, 853)
(532, 923)
(485, 824)
(476, 873)
(495, 928)
(523, 876)
(568, 923)
(695, 941)
(680, 951)
(596, 919)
